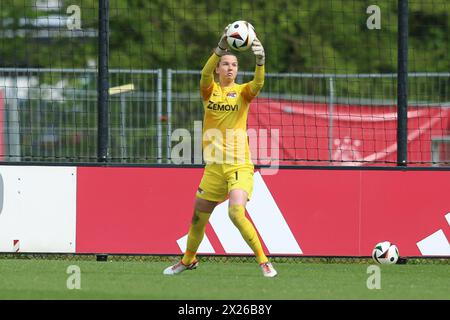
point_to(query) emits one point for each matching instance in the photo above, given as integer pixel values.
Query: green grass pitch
(47, 279)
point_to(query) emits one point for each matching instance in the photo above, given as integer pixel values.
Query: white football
(385, 253)
(240, 35)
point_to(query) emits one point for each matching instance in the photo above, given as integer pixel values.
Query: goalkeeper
(229, 170)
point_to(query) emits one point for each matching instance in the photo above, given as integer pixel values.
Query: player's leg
(212, 189)
(241, 187)
(236, 211)
(202, 211)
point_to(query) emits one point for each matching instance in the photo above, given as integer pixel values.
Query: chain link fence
(329, 55)
(367, 98)
(50, 115)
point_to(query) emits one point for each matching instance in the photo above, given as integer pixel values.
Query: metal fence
(50, 115)
(426, 90)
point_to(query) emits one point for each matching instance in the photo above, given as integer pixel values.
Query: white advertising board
(37, 209)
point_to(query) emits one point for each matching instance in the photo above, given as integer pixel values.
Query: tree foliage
(325, 36)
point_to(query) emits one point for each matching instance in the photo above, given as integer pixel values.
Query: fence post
(330, 119)
(169, 114)
(159, 112)
(13, 121)
(123, 130)
(402, 83)
(103, 81)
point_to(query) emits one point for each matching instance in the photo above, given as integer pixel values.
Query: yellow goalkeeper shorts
(219, 179)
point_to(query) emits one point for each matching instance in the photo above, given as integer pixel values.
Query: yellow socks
(248, 232)
(195, 235)
(237, 216)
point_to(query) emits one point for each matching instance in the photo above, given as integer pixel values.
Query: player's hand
(258, 51)
(223, 43)
(222, 46)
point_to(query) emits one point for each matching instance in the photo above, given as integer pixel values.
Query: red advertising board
(133, 210)
(321, 212)
(348, 134)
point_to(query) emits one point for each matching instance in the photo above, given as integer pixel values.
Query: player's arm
(207, 76)
(253, 87)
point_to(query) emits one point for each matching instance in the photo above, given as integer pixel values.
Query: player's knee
(204, 205)
(238, 197)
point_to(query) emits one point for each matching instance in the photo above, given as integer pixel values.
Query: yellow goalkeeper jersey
(225, 138)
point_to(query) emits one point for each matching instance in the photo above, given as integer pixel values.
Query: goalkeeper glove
(222, 46)
(258, 51)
